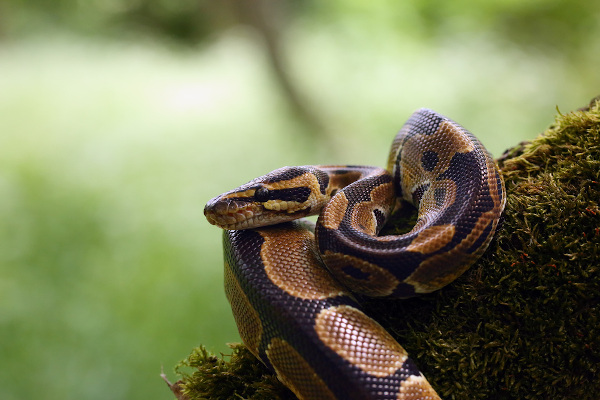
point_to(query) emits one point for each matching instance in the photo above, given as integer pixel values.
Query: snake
(294, 286)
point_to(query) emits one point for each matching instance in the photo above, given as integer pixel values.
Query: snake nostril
(216, 206)
(208, 208)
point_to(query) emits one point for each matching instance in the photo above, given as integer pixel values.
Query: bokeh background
(120, 119)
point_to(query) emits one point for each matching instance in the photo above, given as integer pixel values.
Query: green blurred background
(120, 119)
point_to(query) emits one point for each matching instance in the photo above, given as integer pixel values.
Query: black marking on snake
(401, 269)
(398, 178)
(361, 190)
(425, 122)
(346, 169)
(465, 186)
(233, 200)
(404, 291)
(439, 196)
(286, 174)
(481, 239)
(499, 185)
(299, 194)
(419, 192)
(429, 160)
(323, 179)
(242, 258)
(354, 272)
(380, 218)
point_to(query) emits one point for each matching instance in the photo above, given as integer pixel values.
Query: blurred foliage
(554, 24)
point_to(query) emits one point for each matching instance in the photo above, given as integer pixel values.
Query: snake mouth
(232, 214)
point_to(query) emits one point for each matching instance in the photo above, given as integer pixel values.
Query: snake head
(283, 195)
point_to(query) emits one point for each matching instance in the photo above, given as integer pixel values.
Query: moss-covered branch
(523, 323)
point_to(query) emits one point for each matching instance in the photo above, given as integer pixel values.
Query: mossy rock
(523, 323)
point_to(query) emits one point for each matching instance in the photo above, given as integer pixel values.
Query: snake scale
(291, 285)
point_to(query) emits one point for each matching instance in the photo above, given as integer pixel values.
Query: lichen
(523, 322)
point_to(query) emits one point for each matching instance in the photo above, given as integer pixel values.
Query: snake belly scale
(291, 285)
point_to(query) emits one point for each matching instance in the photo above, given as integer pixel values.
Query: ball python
(291, 285)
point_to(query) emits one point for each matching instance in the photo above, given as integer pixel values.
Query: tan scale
(428, 206)
(342, 180)
(364, 218)
(451, 144)
(429, 277)
(380, 282)
(417, 388)
(432, 239)
(246, 317)
(375, 351)
(493, 184)
(363, 213)
(291, 264)
(412, 169)
(295, 373)
(304, 180)
(336, 209)
(245, 193)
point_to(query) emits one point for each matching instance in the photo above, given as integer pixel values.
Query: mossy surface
(523, 322)
(235, 376)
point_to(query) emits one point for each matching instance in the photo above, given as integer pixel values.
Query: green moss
(238, 375)
(524, 322)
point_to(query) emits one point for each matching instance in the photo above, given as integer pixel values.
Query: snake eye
(261, 194)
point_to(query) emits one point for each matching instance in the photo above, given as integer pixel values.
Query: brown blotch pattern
(499, 198)
(333, 213)
(246, 317)
(439, 270)
(417, 388)
(449, 138)
(360, 340)
(295, 373)
(383, 193)
(338, 181)
(380, 282)
(432, 239)
(244, 193)
(315, 200)
(291, 263)
(428, 208)
(362, 214)
(363, 217)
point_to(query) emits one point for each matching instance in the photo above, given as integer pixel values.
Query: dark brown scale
(290, 173)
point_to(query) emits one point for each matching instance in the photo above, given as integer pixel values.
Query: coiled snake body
(305, 325)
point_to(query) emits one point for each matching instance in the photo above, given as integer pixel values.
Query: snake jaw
(229, 214)
(234, 214)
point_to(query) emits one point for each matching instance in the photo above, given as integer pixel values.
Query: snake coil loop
(291, 289)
